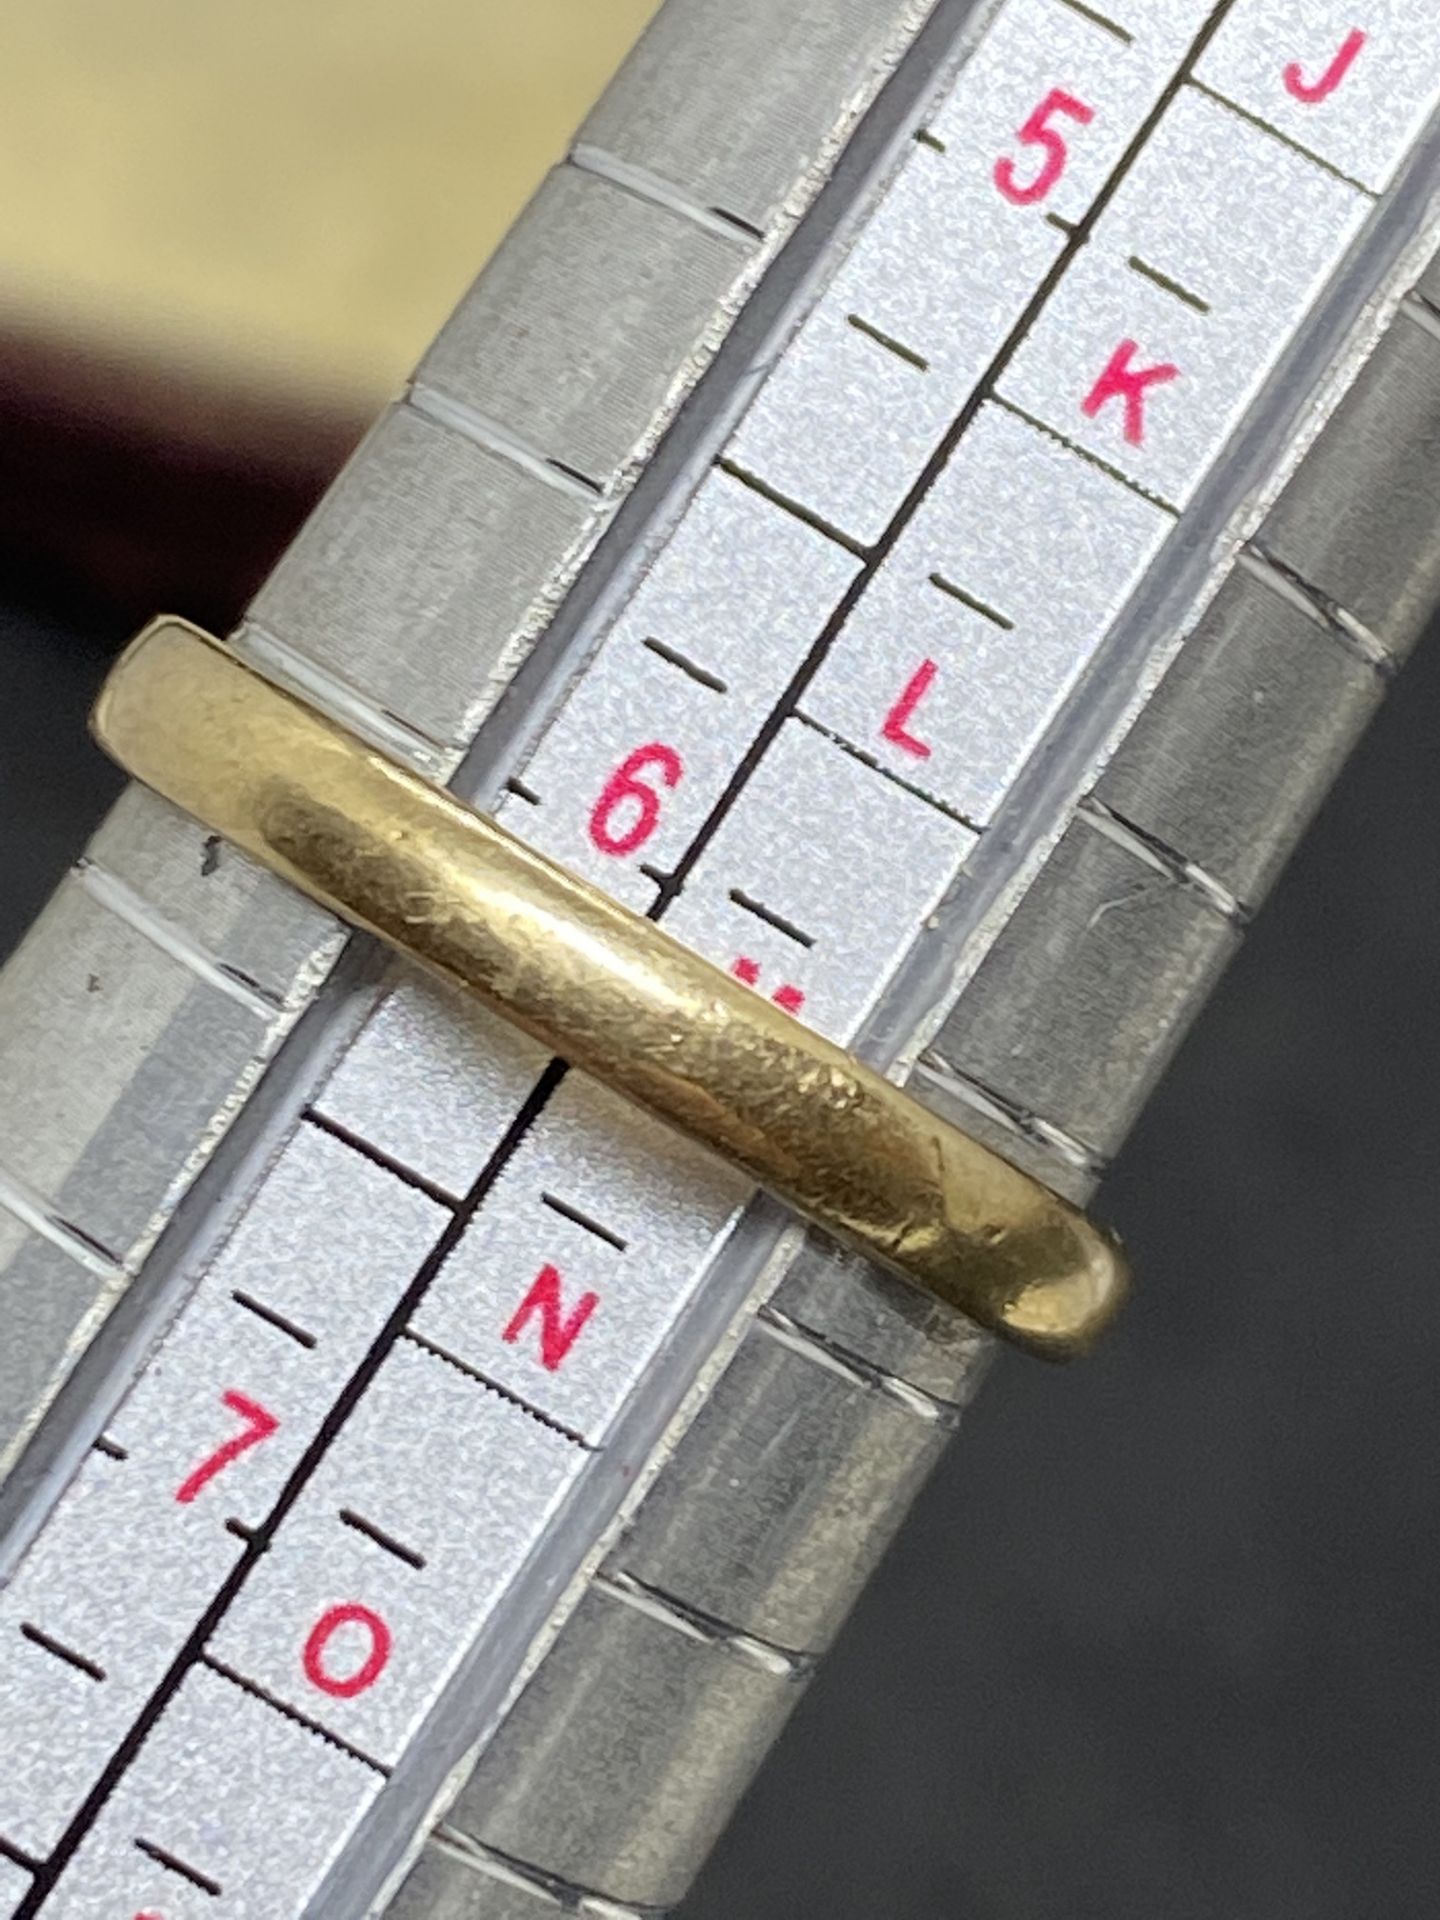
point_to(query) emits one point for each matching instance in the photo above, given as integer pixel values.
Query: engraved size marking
(324, 1667)
(896, 725)
(61, 1652)
(1311, 93)
(172, 1863)
(628, 810)
(897, 347)
(1039, 131)
(559, 1330)
(676, 659)
(385, 1541)
(257, 1425)
(747, 903)
(996, 619)
(1129, 384)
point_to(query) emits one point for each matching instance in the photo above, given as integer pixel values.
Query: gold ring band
(608, 990)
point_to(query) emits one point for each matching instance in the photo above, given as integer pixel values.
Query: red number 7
(1038, 132)
(259, 1425)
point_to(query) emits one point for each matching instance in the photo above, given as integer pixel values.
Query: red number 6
(626, 791)
(1038, 132)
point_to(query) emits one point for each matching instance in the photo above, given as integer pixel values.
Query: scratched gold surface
(607, 990)
(287, 193)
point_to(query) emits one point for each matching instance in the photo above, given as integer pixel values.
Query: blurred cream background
(287, 195)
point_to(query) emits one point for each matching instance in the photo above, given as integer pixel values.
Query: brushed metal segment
(781, 1497)
(163, 1054)
(15, 1883)
(252, 923)
(444, 1885)
(118, 1578)
(254, 1802)
(1238, 746)
(734, 100)
(46, 1299)
(434, 1081)
(1007, 1133)
(1247, 227)
(847, 861)
(1358, 521)
(1294, 64)
(419, 577)
(880, 1320)
(1013, 510)
(621, 1761)
(623, 1211)
(452, 1477)
(1081, 1001)
(579, 330)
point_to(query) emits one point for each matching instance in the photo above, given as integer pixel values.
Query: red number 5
(1038, 132)
(628, 811)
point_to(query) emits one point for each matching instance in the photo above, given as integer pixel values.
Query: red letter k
(1121, 381)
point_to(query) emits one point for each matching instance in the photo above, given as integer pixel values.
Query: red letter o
(346, 1686)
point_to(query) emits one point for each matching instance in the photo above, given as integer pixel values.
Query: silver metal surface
(646, 1734)
(1104, 949)
(166, 1050)
(869, 1318)
(14, 1885)
(848, 866)
(722, 619)
(623, 1217)
(1357, 525)
(263, 933)
(379, 559)
(1248, 231)
(1296, 65)
(1236, 750)
(583, 323)
(51, 1292)
(782, 1496)
(453, 1882)
(124, 1568)
(733, 101)
(883, 365)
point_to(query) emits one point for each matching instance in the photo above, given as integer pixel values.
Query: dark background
(1162, 1639)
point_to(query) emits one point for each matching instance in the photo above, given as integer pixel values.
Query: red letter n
(1121, 381)
(558, 1330)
